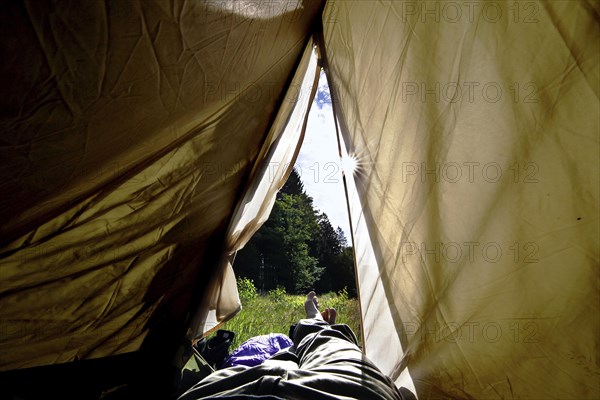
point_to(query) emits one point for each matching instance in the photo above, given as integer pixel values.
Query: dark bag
(216, 349)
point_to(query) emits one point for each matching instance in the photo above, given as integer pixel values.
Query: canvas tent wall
(478, 193)
(130, 132)
(135, 135)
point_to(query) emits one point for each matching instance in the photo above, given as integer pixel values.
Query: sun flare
(349, 164)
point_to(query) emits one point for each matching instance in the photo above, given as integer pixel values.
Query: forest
(297, 248)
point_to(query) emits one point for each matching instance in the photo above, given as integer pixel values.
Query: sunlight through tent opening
(349, 164)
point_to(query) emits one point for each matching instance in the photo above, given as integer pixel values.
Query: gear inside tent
(136, 139)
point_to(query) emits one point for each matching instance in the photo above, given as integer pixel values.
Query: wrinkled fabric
(257, 349)
(130, 132)
(475, 126)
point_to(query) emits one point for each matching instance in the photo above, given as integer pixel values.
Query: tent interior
(136, 137)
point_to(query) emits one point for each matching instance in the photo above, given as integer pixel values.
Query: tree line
(297, 248)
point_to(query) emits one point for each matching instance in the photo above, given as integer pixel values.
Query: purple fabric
(257, 349)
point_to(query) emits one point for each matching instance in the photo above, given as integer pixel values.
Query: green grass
(275, 313)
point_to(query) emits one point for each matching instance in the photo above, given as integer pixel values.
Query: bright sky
(319, 164)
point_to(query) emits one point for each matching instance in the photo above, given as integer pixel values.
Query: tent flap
(118, 169)
(273, 167)
(476, 222)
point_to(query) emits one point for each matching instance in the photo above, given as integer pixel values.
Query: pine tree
(294, 185)
(341, 237)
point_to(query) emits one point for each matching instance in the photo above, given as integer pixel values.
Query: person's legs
(311, 307)
(332, 350)
(324, 363)
(317, 321)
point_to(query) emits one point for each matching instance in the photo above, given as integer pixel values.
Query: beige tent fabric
(129, 130)
(279, 154)
(476, 128)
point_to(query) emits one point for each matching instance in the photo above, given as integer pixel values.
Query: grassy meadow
(276, 311)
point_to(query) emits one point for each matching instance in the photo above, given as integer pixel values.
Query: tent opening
(306, 242)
